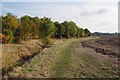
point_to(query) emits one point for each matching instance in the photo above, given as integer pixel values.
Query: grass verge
(62, 63)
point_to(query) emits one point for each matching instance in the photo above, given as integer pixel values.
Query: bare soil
(107, 45)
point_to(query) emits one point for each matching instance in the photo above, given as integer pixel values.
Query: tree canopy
(28, 27)
(87, 32)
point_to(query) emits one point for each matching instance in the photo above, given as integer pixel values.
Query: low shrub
(47, 41)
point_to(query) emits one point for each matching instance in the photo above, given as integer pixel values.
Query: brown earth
(107, 45)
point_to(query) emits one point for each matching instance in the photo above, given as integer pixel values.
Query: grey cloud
(87, 13)
(92, 13)
(102, 11)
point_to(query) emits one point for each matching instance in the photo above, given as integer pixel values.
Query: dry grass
(40, 65)
(66, 58)
(12, 53)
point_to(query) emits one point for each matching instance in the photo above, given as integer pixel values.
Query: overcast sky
(59, 0)
(97, 15)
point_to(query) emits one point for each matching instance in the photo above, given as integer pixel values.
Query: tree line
(16, 29)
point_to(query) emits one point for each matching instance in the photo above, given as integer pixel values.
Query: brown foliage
(4, 38)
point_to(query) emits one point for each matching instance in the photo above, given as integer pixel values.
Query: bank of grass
(31, 65)
(16, 54)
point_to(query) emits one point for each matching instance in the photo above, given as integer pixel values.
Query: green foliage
(10, 34)
(80, 32)
(36, 31)
(87, 32)
(17, 35)
(72, 29)
(9, 24)
(47, 28)
(28, 27)
(37, 21)
(60, 30)
(66, 24)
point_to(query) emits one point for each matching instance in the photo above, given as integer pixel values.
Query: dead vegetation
(4, 38)
(17, 54)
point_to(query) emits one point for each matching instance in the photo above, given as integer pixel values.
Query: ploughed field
(106, 45)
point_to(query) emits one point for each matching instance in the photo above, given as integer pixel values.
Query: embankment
(17, 54)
